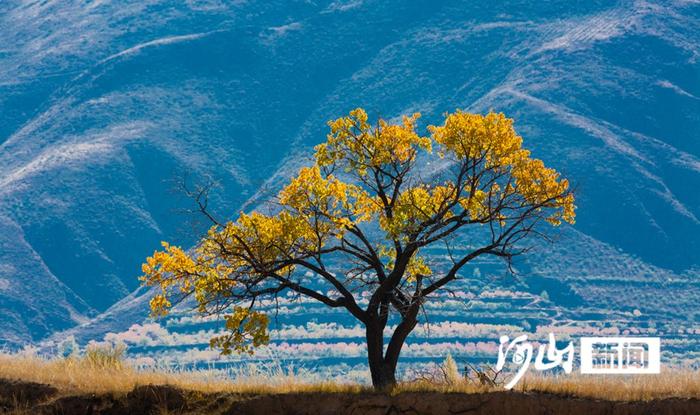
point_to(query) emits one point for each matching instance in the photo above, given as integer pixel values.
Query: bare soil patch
(33, 398)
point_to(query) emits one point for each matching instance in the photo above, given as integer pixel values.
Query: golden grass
(680, 383)
(90, 375)
(670, 384)
(99, 374)
(427, 386)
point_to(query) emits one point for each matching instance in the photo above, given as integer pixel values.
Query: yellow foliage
(327, 205)
(414, 206)
(472, 136)
(491, 138)
(416, 265)
(248, 330)
(353, 141)
(363, 175)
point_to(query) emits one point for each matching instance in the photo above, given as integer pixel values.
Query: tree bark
(393, 350)
(382, 378)
(382, 366)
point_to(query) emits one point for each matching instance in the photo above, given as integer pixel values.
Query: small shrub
(105, 355)
(449, 367)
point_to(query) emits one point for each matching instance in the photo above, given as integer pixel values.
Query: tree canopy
(359, 219)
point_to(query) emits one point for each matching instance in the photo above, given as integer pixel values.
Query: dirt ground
(33, 398)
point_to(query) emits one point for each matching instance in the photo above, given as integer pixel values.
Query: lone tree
(360, 219)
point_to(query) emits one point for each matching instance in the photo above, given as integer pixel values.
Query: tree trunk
(375, 353)
(383, 375)
(383, 367)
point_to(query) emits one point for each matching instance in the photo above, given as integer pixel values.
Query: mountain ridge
(101, 116)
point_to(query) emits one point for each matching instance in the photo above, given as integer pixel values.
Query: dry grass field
(104, 371)
(98, 372)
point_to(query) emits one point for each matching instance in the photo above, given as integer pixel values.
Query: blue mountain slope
(104, 104)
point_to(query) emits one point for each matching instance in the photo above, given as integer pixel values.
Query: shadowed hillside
(105, 105)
